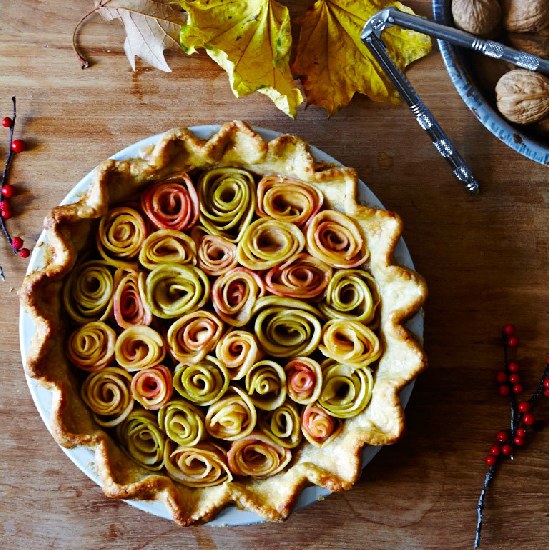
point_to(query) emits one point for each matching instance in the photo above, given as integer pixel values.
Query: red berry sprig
(7, 191)
(521, 418)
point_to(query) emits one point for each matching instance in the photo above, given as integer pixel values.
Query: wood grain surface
(485, 260)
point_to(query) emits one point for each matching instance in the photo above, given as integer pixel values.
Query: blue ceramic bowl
(483, 107)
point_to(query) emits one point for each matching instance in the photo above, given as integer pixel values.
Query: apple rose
(266, 243)
(238, 350)
(142, 439)
(266, 385)
(234, 295)
(336, 239)
(203, 465)
(129, 306)
(167, 246)
(108, 395)
(120, 236)
(138, 348)
(286, 327)
(304, 380)
(232, 417)
(301, 277)
(88, 292)
(350, 343)
(182, 422)
(203, 383)
(288, 200)
(216, 255)
(282, 425)
(152, 387)
(351, 294)
(172, 204)
(173, 290)
(346, 390)
(258, 456)
(318, 427)
(92, 346)
(227, 199)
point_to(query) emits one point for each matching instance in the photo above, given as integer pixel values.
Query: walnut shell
(525, 15)
(532, 43)
(480, 17)
(522, 96)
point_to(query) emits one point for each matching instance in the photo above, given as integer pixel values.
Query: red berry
(24, 253)
(503, 390)
(546, 392)
(514, 378)
(18, 145)
(508, 330)
(502, 436)
(513, 342)
(519, 441)
(8, 191)
(495, 450)
(501, 377)
(517, 388)
(7, 122)
(507, 450)
(521, 432)
(6, 211)
(524, 406)
(513, 367)
(490, 460)
(17, 243)
(546, 382)
(528, 419)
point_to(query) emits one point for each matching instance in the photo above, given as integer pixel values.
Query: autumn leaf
(334, 64)
(250, 40)
(151, 27)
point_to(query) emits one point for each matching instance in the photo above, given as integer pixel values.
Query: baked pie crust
(337, 464)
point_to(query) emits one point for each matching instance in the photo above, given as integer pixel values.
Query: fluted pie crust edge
(337, 465)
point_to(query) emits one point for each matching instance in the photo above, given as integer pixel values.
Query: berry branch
(521, 417)
(7, 191)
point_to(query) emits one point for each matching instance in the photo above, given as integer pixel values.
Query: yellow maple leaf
(250, 40)
(334, 64)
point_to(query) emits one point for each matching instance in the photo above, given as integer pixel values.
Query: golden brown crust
(335, 466)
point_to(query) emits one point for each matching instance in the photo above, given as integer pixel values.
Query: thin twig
(84, 63)
(4, 179)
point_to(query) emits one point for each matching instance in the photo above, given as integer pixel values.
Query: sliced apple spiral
(288, 200)
(351, 294)
(152, 388)
(172, 204)
(232, 417)
(182, 422)
(129, 306)
(266, 385)
(203, 383)
(234, 295)
(301, 277)
(238, 350)
(336, 239)
(92, 346)
(346, 390)
(286, 327)
(173, 290)
(350, 343)
(194, 335)
(258, 456)
(203, 465)
(318, 427)
(108, 395)
(167, 246)
(227, 199)
(304, 380)
(266, 243)
(216, 255)
(282, 425)
(121, 234)
(142, 439)
(88, 292)
(138, 348)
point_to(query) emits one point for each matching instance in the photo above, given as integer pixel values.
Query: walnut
(480, 17)
(532, 43)
(525, 15)
(522, 96)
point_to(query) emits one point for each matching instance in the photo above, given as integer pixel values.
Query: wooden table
(485, 260)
